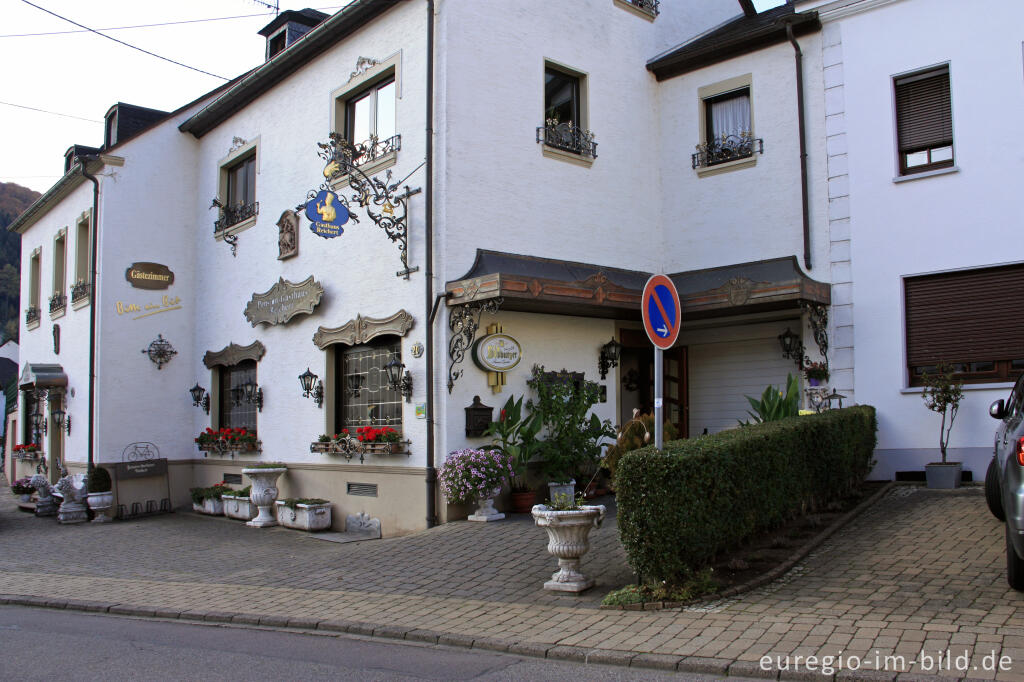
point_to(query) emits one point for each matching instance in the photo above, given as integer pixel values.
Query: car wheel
(1014, 565)
(993, 497)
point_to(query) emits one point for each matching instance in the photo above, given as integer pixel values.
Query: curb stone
(610, 657)
(707, 666)
(529, 649)
(428, 636)
(656, 661)
(568, 653)
(751, 669)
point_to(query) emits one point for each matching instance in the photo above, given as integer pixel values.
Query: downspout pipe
(431, 477)
(802, 130)
(94, 237)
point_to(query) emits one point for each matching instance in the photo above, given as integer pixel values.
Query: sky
(80, 75)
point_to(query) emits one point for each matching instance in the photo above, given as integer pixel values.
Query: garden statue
(45, 505)
(73, 490)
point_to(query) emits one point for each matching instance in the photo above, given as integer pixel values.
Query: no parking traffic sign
(661, 311)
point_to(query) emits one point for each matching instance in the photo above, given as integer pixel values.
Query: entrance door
(638, 352)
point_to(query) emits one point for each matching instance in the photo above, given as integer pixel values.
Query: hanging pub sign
(149, 276)
(326, 214)
(497, 353)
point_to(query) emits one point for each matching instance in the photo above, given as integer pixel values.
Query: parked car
(1009, 471)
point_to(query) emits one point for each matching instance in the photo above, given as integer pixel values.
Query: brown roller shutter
(969, 316)
(923, 113)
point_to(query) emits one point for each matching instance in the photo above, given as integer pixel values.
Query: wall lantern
(355, 384)
(61, 419)
(39, 423)
(251, 393)
(792, 347)
(200, 398)
(312, 387)
(609, 357)
(399, 379)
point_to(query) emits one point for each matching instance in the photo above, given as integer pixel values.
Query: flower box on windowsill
(349, 447)
(28, 456)
(220, 447)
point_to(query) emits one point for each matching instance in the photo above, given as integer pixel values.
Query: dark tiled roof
(742, 35)
(306, 17)
(132, 119)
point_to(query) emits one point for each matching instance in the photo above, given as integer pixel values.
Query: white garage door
(722, 373)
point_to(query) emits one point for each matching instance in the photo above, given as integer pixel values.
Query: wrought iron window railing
(58, 302)
(568, 138)
(649, 6)
(728, 148)
(232, 215)
(31, 314)
(79, 291)
(372, 149)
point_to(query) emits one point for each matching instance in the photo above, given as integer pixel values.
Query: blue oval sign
(326, 214)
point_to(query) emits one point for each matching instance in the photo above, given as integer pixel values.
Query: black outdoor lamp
(609, 356)
(398, 378)
(792, 347)
(200, 398)
(312, 387)
(61, 419)
(39, 423)
(252, 394)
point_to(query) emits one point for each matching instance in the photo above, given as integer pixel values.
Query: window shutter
(923, 113)
(968, 316)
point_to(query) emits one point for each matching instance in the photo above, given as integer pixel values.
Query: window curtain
(730, 116)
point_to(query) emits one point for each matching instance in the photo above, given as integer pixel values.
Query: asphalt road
(44, 644)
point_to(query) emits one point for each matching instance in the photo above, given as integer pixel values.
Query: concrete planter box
(210, 506)
(308, 517)
(240, 508)
(943, 476)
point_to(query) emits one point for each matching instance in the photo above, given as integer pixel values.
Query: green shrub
(677, 510)
(99, 480)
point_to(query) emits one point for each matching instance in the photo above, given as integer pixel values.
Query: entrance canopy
(37, 376)
(547, 285)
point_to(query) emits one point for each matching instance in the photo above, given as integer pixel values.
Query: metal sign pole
(659, 387)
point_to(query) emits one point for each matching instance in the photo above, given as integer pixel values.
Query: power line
(55, 113)
(122, 28)
(152, 54)
(163, 23)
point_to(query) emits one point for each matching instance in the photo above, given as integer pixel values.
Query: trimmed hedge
(677, 510)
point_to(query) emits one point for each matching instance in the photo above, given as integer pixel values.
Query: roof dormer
(124, 120)
(288, 27)
(75, 152)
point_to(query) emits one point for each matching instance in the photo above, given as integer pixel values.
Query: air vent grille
(363, 489)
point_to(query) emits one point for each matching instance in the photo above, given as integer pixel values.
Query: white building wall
(357, 269)
(966, 218)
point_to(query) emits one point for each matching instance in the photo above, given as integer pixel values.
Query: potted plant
(264, 491)
(634, 434)
(208, 500)
(469, 475)
(237, 504)
(304, 513)
(573, 432)
(568, 523)
(23, 488)
(25, 451)
(228, 439)
(516, 435)
(380, 441)
(943, 394)
(101, 496)
(816, 373)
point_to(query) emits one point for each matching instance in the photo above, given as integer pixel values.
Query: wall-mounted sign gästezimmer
(283, 301)
(149, 276)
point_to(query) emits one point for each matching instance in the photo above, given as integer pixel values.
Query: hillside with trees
(13, 200)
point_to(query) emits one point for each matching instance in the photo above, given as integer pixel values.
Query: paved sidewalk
(920, 570)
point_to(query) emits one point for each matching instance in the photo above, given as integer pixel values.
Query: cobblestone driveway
(920, 570)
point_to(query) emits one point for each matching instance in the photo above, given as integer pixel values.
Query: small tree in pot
(943, 394)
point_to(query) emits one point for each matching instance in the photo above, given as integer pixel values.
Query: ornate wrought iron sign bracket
(817, 315)
(384, 204)
(463, 321)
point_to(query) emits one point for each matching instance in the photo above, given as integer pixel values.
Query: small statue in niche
(288, 235)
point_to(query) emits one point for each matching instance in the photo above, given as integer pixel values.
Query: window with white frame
(237, 189)
(727, 124)
(80, 290)
(58, 299)
(365, 113)
(565, 112)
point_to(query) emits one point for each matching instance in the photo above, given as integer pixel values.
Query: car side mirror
(997, 410)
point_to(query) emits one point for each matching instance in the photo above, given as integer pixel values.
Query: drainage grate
(234, 479)
(363, 489)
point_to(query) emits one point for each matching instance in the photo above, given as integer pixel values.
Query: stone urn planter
(264, 494)
(568, 539)
(943, 476)
(485, 511)
(236, 507)
(100, 503)
(309, 516)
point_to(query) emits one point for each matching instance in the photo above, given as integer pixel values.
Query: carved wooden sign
(149, 276)
(284, 301)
